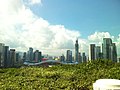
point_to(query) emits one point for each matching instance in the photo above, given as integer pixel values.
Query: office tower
(76, 51)
(37, 56)
(2, 55)
(79, 58)
(69, 56)
(97, 52)
(84, 58)
(24, 56)
(17, 57)
(30, 54)
(6, 56)
(107, 42)
(62, 58)
(113, 53)
(109, 50)
(92, 52)
(12, 57)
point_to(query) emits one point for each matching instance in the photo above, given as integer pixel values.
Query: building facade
(6, 56)
(79, 58)
(12, 57)
(2, 54)
(69, 56)
(84, 58)
(92, 52)
(97, 52)
(30, 55)
(37, 56)
(109, 49)
(76, 51)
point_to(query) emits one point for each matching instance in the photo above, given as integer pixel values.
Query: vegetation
(60, 77)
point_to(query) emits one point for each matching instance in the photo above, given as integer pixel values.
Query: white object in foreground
(107, 84)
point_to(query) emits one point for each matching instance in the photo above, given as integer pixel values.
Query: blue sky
(86, 16)
(52, 26)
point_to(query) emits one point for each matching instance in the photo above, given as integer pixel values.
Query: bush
(67, 77)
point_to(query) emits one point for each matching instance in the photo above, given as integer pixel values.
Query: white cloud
(32, 2)
(21, 28)
(97, 37)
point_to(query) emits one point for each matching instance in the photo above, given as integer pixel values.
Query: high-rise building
(37, 56)
(109, 49)
(30, 54)
(12, 57)
(17, 57)
(76, 50)
(24, 56)
(92, 52)
(6, 56)
(97, 52)
(79, 58)
(62, 58)
(113, 53)
(2, 54)
(69, 56)
(107, 42)
(84, 58)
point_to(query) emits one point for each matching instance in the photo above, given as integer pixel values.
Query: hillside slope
(61, 77)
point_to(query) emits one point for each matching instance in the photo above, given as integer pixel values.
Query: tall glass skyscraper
(92, 52)
(107, 42)
(30, 54)
(12, 57)
(6, 56)
(84, 58)
(2, 54)
(69, 56)
(109, 49)
(97, 52)
(76, 51)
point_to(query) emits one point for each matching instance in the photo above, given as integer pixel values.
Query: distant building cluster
(106, 51)
(11, 58)
(31, 56)
(78, 58)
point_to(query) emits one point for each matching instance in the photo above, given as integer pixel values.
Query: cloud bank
(20, 28)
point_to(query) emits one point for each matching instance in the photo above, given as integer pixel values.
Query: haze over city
(53, 26)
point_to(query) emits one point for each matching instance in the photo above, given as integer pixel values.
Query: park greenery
(59, 77)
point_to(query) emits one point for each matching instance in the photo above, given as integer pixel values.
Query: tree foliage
(60, 77)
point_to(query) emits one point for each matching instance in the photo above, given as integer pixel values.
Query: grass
(61, 77)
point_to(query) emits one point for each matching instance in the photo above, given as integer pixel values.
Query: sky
(52, 26)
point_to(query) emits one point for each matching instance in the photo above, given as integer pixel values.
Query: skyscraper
(84, 58)
(113, 53)
(107, 42)
(97, 52)
(37, 56)
(62, 58)
(109, 49)
(1, 54)
(69, 56)
(30, 54)
(24, 56)
(92, 52)
(12, 57)
(76, 50)
(80, 58)
(6, 56)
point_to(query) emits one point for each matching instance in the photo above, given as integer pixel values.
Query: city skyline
(11, 58)
(53, 26)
